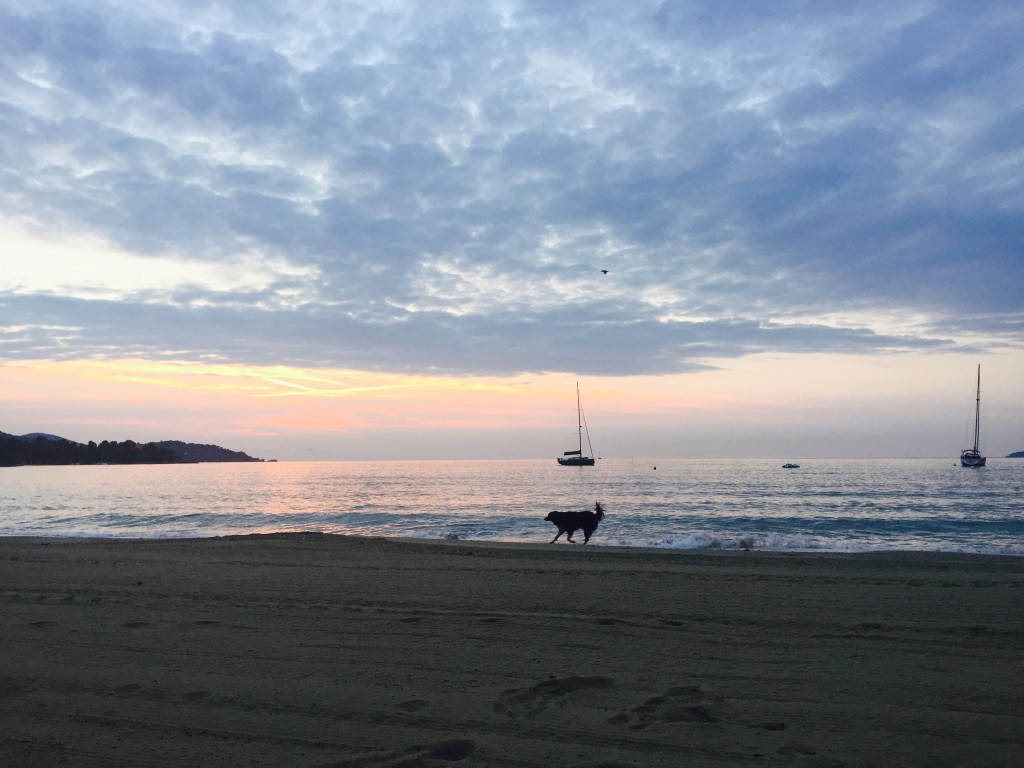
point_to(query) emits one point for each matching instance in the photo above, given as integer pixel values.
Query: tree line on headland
(37, 449)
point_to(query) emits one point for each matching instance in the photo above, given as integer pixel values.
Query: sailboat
(576, 458)
(971, 457)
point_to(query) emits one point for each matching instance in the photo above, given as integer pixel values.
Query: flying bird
(604, 271)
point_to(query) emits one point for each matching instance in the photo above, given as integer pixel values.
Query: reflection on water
(905, 504)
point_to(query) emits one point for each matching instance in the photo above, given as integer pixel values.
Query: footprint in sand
(530, 702)
(807, 756)
(425, 755)
(413, 705)
(452, 750)
(681, 704)
(770, 725)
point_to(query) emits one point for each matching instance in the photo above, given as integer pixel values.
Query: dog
(570, 522)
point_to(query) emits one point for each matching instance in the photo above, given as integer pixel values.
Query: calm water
(824, 505)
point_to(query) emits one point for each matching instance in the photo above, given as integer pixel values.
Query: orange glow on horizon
(266, 400)
(209, 402)
(275, 388)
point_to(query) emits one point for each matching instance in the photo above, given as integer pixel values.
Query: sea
(824, 505)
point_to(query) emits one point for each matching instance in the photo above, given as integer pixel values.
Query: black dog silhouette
(570, 522)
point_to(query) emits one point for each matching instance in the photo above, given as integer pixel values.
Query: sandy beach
(312, 650)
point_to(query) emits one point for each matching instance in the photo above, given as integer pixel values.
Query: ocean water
(853, 505)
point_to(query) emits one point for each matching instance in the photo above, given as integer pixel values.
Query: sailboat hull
(971, 459)
(575, 461)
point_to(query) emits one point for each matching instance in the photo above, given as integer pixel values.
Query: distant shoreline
(44, 450)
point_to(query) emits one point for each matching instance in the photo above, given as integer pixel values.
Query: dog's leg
(560, 532)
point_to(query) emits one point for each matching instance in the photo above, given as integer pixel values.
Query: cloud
(438, 342)
(435, 188)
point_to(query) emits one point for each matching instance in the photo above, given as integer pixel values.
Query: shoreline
(308, 649)
(500, 544)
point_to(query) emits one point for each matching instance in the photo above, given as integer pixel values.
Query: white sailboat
(971, 457)
(577, 458)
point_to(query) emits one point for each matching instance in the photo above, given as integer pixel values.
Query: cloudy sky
(380, 229)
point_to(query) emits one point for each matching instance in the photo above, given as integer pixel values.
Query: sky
(401, 230)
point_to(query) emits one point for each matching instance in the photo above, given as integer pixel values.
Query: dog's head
(552, 516)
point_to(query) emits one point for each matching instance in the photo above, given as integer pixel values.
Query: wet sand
(311, 650)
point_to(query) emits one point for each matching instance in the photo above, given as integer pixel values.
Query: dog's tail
(599, 510)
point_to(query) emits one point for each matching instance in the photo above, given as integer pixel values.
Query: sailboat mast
(576, 458)
(977, 410)
(580, 416)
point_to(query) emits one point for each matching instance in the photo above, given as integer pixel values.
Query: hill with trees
(198, 452)
(39, 448)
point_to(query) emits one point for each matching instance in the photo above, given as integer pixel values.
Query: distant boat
(577, 458)
(971, 457)
(787, 465)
